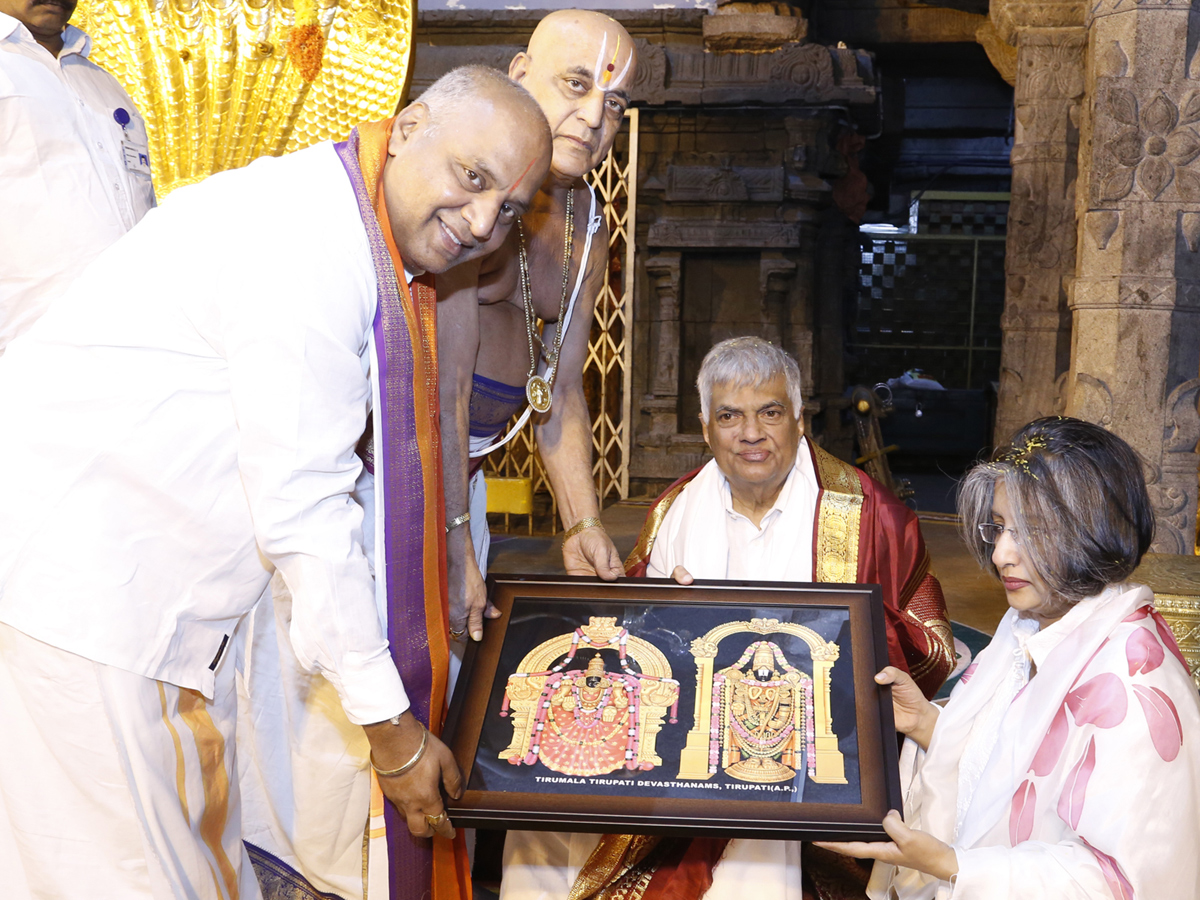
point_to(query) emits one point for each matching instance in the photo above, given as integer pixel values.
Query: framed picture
(723, 709)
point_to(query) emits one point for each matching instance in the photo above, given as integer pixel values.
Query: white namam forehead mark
(604, 74)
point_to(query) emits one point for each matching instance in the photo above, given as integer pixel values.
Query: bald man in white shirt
(182, 423)
(74, 159)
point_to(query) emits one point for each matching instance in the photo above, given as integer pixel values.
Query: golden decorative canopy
(221, 82)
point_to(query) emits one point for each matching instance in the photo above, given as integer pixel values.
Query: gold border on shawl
(920, 608)
(941, 648)
(648, 534)
(915, 580)
(838, 518)
(615, 857)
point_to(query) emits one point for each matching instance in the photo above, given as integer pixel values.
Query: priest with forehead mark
(495, 361)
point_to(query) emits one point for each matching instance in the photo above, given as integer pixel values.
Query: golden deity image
(762, 719)
(590, 721)
(765, 716)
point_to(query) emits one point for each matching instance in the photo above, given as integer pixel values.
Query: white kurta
(1088, 785)
(199, 394)
(67, 188)
(202, 429)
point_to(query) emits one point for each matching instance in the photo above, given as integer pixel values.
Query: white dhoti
(772, 867)
(310, 800)
(477, 506)
(114, 785)
(304, 768)
(481, 539)
(542, 865)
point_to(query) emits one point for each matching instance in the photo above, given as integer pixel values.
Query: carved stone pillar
(1040, 252)
(1135, 353)
(662, 402)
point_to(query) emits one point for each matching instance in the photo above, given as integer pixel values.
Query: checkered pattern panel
(962, 217)
(914, 310)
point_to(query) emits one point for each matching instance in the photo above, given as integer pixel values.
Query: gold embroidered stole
(620, 868)
(839, 514)
(645, 542)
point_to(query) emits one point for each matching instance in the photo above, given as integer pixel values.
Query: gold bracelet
(458, 520)
(416, 758)
(582, 525)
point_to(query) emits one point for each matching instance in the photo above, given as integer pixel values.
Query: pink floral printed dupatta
(1092, 789)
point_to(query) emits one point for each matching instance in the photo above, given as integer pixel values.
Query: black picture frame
(673, 795)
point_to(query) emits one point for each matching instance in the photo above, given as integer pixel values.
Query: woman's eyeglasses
(990, 532)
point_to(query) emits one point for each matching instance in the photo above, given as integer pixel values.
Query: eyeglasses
(990, 532)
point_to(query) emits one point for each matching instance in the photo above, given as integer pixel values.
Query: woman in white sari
(1067, 762)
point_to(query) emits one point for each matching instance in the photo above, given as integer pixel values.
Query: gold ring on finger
(457, 634)
(435, 821)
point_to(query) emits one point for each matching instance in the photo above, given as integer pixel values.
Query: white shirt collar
(785, 493)
(74, 40)
(408, 276)
(8, 25)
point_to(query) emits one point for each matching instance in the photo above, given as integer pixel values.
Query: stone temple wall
(1102, 313)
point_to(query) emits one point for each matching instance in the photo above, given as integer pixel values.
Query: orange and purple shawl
(408, 465)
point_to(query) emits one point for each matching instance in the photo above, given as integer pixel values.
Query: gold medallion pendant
(537, 391)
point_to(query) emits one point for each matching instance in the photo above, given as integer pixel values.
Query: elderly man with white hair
(790, 512)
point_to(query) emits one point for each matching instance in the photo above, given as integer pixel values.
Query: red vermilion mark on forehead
(523, 174)
(612, 63)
